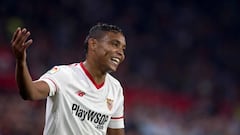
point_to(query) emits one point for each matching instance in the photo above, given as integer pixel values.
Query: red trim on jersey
(98, 86)
(56, 88)
(117, 117)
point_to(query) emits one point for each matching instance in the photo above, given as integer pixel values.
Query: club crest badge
(109, 103)
(53, 70)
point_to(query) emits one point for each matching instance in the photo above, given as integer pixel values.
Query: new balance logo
(80, 93)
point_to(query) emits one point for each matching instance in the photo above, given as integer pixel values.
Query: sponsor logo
(98, 119)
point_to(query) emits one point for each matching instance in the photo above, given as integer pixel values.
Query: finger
(26, 36)
(28, 43)
(24, 30)
(15, 34)
(21, 37)
(18, 38)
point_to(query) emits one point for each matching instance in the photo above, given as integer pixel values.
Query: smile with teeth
(115, 60)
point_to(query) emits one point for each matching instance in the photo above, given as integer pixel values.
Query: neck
(94, 70)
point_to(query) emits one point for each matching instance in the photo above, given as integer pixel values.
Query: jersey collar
(98, 86)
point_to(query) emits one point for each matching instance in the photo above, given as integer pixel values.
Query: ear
(92, 43)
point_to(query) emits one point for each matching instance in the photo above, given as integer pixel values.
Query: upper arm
(112, 131)
(46, 85)
(41, 90)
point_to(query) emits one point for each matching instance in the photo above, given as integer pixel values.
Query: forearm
(24, 80)
(111, 131)
(28, 89)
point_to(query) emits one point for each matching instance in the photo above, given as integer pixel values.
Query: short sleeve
(50, 78)
(117, 119)
(52, 85)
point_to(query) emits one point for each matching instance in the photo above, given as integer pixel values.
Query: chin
(112, 69)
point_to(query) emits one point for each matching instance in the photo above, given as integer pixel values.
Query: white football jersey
(76, 105)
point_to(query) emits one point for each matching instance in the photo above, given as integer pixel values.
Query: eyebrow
(115, 40)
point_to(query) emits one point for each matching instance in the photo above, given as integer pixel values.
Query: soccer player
(82, 98)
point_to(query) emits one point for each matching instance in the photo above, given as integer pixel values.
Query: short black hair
(98, 30)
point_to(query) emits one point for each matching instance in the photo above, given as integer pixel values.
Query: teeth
(116, 60)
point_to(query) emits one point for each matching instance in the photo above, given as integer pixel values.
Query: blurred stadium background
(182, 71)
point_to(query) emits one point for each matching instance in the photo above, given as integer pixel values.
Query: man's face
(110, 51)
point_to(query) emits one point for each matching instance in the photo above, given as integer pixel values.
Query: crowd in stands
(181, 74)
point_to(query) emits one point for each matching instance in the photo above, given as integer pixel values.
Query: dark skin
(101, 53)
(104, 55)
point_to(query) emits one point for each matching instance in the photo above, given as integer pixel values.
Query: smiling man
(82, 98)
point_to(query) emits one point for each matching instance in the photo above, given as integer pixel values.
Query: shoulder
(67, 67)
(113, 79)
(116, 90)
(62, 69)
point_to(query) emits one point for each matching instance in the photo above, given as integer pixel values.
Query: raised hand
(20, 43)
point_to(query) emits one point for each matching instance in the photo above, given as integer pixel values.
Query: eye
(115, 43)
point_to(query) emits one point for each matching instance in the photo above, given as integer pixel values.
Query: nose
(120, 52)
